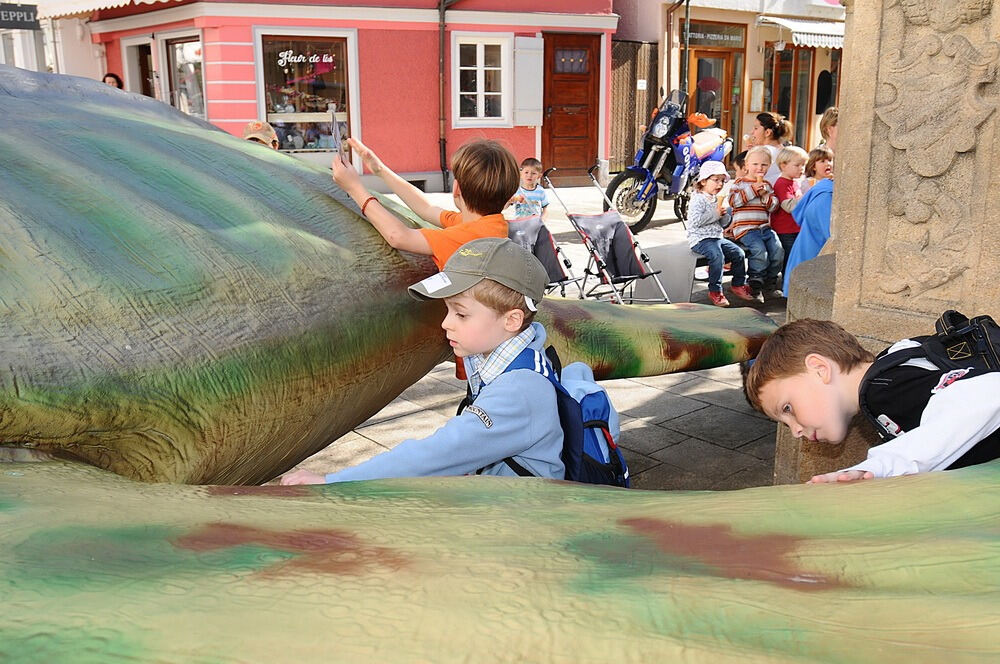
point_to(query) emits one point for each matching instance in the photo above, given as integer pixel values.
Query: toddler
(530, 199)
(752, 200)
(818, 167)
(791, 163)
(707, 217)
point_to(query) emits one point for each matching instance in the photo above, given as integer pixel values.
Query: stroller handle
(545, 173)
(590, 171)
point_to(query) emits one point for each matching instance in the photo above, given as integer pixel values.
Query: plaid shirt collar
(486, 368)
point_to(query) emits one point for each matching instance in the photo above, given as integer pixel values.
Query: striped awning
(818, 34)
(60, 8)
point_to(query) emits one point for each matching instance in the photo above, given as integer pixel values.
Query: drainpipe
(669, 46)
(442, 101)
(687, 45)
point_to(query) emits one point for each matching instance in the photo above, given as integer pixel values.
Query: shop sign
(19, 17)
(714, 34)
(289, 57)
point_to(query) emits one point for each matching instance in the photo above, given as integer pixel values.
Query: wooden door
(571, 117)
(710, 86)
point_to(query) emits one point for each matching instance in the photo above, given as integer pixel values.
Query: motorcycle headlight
(661, 127)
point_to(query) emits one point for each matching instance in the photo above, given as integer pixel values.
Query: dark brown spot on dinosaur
(566, 317)
(315, 551)
(673, 350)
(275, 491)
(754, 557)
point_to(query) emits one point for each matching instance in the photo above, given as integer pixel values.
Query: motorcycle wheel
(622, 192)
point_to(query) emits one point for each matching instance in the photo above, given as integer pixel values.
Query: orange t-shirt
(446, 241)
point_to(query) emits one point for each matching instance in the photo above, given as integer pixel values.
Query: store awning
(818, 34)
(60, 8)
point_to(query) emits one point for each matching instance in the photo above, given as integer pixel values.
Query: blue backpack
(589, 452)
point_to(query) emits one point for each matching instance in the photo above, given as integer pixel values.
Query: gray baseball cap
(493, 258)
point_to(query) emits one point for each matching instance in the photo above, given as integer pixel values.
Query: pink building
(535, 80)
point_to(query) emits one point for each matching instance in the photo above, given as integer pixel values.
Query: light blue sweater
(514, 415)
(812, 214)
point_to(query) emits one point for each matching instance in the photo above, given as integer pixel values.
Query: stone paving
(689, 431)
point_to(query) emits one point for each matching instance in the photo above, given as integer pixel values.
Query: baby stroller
(533, 235)
(616, 262)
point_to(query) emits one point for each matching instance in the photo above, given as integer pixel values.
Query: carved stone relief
(930, 97)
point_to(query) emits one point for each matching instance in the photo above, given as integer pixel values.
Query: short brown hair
(815, 155)
(784, 353)
(828, 120)
(487, 174)
(501, 299)
(531, 162)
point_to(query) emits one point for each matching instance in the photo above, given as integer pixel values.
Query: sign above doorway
(19, 17)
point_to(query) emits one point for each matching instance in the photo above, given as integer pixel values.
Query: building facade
(746, 56)
(537, 81)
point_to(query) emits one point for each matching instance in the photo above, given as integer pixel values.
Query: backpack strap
(884, 362)
(527, 359)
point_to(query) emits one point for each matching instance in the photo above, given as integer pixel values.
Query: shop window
(788, 86)
(305, 80)
(184, 67)
(481, 80)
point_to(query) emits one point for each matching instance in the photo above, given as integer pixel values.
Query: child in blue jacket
(491, 287)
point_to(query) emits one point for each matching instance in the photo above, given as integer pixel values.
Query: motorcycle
(673, 149)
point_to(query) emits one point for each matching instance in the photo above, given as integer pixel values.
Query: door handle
(548, 111)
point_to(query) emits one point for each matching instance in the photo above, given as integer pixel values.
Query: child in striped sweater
(753, 200)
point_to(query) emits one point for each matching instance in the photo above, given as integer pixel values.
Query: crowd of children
(758, 208)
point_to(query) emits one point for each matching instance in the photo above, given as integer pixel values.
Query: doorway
(571, 113)
(714, 89)
(139, 74)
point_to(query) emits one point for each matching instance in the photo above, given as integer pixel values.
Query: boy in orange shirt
(486, 176)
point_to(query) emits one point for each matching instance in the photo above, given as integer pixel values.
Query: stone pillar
(918, 164)
(916, 227)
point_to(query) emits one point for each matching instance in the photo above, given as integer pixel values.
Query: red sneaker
(743, 292)
(718, 299)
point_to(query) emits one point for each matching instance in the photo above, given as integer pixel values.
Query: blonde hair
(790, 153)
(501, 299)
(828, 120)
(487, 174)
(758, 149)
(817, 155)
(784, 353)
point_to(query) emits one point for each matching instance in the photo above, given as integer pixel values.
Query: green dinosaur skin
(180, 305)
(97, 568)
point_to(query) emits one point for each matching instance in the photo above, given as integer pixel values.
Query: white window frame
(353, 82)
(506, 42)
(164, 79)
(128, 73)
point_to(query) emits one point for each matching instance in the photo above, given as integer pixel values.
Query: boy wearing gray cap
(491, 288)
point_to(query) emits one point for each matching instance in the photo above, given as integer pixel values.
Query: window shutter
(529, 63)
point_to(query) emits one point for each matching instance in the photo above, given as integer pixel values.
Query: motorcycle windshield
(674, 105)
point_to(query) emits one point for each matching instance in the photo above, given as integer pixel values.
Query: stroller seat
(616, 258)
(533, 235)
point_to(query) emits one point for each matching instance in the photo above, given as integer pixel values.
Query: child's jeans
(764, 256)
(718, 251)
(786, 240)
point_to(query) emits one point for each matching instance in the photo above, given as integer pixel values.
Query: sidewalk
(687, 431)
